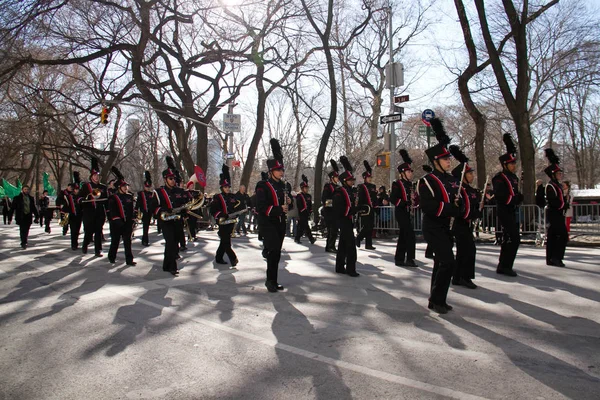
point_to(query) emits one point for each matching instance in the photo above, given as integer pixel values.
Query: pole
(392, 125)
(228, 144)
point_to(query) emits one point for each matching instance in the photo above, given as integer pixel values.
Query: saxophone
(173, 215)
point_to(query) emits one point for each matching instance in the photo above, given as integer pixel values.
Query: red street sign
(401, 99)
(236, 163)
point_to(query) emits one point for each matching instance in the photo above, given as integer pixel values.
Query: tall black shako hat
(170, 171)
(277, 161)
(95, 168)
(511, 150)
(304, 182)
(335, 170)
(224, 178)
(120, 178)
(147, 179)
(264, 176)
(463, 162)
(368, 170)
(554, 163)
(406, 161)
(76, 180)
(440, 150)
(347, 174)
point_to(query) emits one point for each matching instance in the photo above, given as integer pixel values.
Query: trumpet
(173, 215)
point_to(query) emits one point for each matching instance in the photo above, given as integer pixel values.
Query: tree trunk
(260, 125)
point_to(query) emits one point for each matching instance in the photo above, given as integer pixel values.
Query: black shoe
(98, 255)
(84, 249)
(467, 283)
(353, 274)
(331, 251)
(183, 248)
(313, 240)
(23, 246)
(357, 242)
(220, 261)
(112, 261)
(556, 263)
(456, 281)
(370, 248)
(411, 264)
(145, 244)
(448, 307)
(271, 286)
(438, 308)
(74, 248)
(174, 273)
(508, 272)
(131, 263)
(400, 264)
(340, 271)
(234, 262)
(279, 287)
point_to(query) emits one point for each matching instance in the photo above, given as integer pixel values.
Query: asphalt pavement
(77, 327)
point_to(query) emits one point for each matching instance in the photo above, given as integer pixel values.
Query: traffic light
(104, 116)
(383, 160)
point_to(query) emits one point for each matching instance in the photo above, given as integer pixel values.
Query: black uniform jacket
(224, 204)
(343, 203)
(401, 195)
(437, 192)
(506, 187)
(147, 202)
(121, 207)
(555, 197)
(470, 200)
(270, 199)
(304, 203)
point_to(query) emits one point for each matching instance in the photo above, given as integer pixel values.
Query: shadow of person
(134, 319)
(553, 372)
(224, 290)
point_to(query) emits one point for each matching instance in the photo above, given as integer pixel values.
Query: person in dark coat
(304, 204)
(344, 208)
(327, 210)
(401, 198)
(272, 205)
(24, 210)
(222, 205)
(557, 236)
(46, 212)
(72, 207)
(93, 196)
(146, 204)
(367, 200)
(464, 271)
(7, 210)
(122, 219)
(508, 199)
(244, 202)
(439, 201)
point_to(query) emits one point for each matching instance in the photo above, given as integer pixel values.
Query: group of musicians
(448, 202)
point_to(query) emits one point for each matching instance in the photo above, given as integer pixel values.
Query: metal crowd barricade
(586, 219)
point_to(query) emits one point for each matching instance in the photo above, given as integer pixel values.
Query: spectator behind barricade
(385, 216)
(292, 216)
(381, 194)
(569, 207)
(244, 200)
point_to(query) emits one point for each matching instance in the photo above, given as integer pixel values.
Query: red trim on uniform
(223, 204)
(166, 197)
(72, 204)
(368, 195)
(89, 186)
(559, 193)
(144, 203)
(269, 210)
(274, 196)
(510, 188)
(120, 204)
(442, 188)
(304, 201)
(348, 203)
(467, 203)
(440, 209)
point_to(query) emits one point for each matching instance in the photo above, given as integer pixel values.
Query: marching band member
(327, 210)
(93, 196)
(146, 204)
(439, 202)
(122, 218)
(401, 197)
(222, 205)
(344, 209)
(24, 210)
(72, 210)
(304, 204)
(556, 207)
(272, 206)
(508, 199)
(367, 195)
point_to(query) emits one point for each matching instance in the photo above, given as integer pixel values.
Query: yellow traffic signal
(383, 160)
(104, 116)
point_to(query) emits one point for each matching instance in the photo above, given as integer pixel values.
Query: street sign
(386, 119)
(232, 122)
(394, 75)
(422, 131)
(427, 116)
(401, 99)
(399, 109)
(230, 156)
(236, 163)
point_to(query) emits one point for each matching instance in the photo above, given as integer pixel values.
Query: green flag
(47, 185)
(10, 190)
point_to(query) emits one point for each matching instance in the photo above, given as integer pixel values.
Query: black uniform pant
(405, 247)
(75, 224)
(346, 254)
(303, 228)
(24, 227)
(46, 215)
(169, 230)
(510, 238)
(273, 235)
(120, 229)
(332, 231)
(7, 216)
(181, 233)
(438, 237)
(92, 226)
(557, 236)
(146, 218)
(367, 223)
(225, 232)
(465, 250)
(193, 226)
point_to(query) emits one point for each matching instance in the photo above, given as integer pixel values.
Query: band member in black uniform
(401, 197)
(327, 210)
(304, 204)
(72, 208)
(508, 199)
(556, 207)
(6, 210)
(122, 218)
(344, 208)
(61, 201)
(45, 211)
(24, 210)
(464, 270)
(93, 196)
(170, 196)
(182, 222)
(222, 205)
(264, 176)
(146, 205)
(427, 169)
(440, 204)
(272, 206)
(367, 201)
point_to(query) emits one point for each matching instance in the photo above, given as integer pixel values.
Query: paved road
(77, 327)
